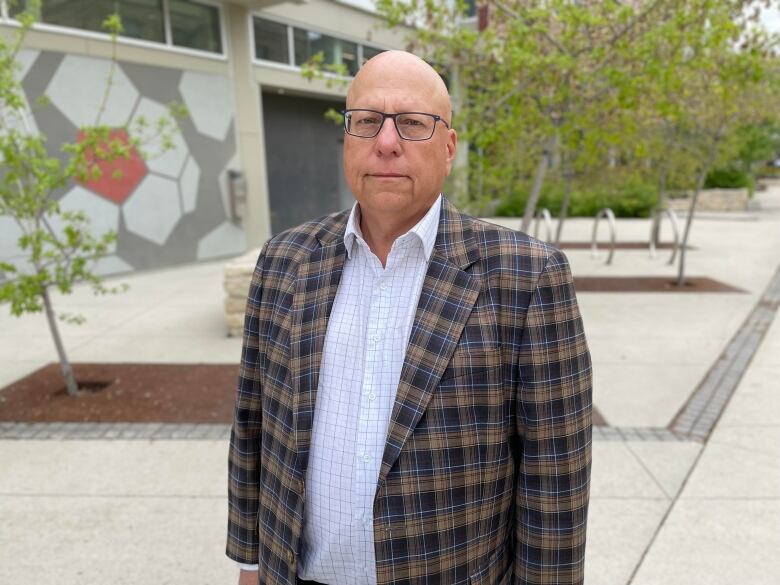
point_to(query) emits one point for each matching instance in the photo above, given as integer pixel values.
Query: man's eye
(411, 122)
(366, 121)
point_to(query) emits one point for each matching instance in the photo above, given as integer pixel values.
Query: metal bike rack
(544, 214)
(658, 215)
(594, 249)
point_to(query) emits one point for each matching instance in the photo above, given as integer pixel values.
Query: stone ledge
(714, 200)
(237, 277)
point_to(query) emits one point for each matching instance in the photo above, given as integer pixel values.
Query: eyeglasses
(409, 125)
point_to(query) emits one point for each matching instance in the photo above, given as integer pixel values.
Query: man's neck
(380, 232)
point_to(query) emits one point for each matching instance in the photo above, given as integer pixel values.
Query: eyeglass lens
(367, 124)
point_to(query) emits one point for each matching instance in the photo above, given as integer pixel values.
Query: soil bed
(170, 393)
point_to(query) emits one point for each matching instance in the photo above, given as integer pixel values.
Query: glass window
(141, 19)
(370, 52)
(195, 26)
(309, 43)
(271, 41)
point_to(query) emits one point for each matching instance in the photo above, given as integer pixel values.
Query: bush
(632, 199)
(729, 178)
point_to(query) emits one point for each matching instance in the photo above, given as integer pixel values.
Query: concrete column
(249, 125)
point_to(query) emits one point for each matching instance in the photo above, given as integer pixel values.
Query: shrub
(632, 199)
(728, 178)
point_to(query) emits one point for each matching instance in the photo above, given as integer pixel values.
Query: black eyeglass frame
(436, 118)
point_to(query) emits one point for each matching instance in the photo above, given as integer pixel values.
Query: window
(141, 19)
(308, 43)
(271, 41)
(195, 26)
(370, 52)
(284, 43)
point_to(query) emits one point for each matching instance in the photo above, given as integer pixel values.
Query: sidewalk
(665, 509)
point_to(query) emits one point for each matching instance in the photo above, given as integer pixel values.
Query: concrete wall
(175, 208)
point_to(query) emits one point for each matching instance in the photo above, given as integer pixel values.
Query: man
(414, 402)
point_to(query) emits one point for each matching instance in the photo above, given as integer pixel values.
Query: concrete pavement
(665, 510)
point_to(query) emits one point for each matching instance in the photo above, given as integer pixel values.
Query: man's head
(388, 175)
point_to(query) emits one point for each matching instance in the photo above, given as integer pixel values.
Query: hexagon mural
(118, 177)
(188, 183)
(167, 162)
(166, 209)
(154, 209)
(24, 60)
(76, 89)
(206, 98)
(103, 214)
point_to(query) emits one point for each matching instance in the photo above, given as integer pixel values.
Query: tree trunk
(688, 222)
(536, 190)
(67, 371)
(564, 210)
(660, 204)
(460, 167)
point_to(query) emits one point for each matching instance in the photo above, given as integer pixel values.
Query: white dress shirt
(365, 345)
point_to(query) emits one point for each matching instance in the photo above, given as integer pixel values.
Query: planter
(237, 277)
(714, 200)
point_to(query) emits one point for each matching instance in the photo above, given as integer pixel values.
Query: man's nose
(388, 141)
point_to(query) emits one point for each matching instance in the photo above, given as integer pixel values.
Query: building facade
(254, 154)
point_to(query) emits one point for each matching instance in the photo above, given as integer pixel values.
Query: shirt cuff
(245, 567)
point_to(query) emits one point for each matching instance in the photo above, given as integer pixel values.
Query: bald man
(414, 399)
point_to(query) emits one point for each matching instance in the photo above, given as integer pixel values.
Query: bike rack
(655, 229)
(594, 249)
(544, 214)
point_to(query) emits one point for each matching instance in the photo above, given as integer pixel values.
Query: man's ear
(452, 147)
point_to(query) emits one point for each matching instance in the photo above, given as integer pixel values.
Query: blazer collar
(454, 239)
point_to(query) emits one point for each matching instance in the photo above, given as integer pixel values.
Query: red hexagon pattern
(119, 177)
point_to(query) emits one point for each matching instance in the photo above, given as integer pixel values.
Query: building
(255, 153)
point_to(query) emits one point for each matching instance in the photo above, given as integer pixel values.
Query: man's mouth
(387, 175)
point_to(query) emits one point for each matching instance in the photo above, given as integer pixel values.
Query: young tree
(718, 75)
(541, 80)
(59, 248)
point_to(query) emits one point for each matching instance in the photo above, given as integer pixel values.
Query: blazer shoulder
(499, 244)
(304, 238)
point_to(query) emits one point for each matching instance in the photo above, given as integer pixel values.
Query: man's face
(389, 175)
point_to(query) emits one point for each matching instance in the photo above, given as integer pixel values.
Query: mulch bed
(651, 284)
(143, 393)
(168, 393)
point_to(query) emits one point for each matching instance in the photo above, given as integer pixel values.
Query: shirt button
(366, 458)
(371, 395)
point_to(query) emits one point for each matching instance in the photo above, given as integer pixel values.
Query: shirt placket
(367, 455)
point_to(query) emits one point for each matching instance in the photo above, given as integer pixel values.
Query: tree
(718, 76)
(59, 247)
(543, 81)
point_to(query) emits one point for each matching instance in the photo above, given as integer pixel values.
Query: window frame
(291, 26)
(168, 45)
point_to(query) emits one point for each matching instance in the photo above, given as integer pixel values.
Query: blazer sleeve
(244, 452)
(554, 401)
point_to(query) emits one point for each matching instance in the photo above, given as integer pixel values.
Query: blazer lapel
(446, 300)
(315, 289)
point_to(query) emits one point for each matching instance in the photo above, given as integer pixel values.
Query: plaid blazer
(485, 474)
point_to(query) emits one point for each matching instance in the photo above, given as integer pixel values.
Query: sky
(771, 19)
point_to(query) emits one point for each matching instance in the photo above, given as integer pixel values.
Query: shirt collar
(424, 230)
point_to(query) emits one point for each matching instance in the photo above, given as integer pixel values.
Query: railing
(544, 214)
(655, 229)
(594, 249)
